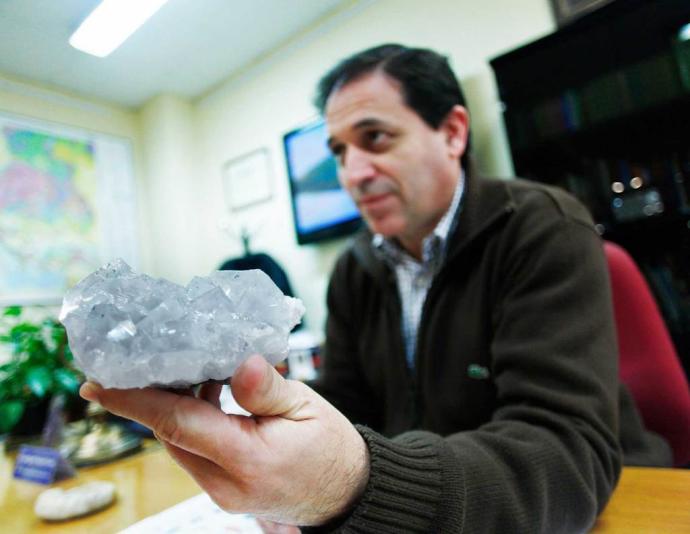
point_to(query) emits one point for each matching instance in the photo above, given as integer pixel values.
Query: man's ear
(456, 127)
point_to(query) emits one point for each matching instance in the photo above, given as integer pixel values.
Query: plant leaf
(9, 366)
(22, 329)
(12, 311)
(67, 380)
(68, 354)
(10, 414)
(23, 335)
(58, 333)
(39, 380)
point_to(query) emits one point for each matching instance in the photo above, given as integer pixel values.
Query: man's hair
(427, 82)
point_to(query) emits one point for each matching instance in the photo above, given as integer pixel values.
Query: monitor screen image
(321, 208)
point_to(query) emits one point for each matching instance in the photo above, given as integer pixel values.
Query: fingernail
(255, 357)
(89, 391)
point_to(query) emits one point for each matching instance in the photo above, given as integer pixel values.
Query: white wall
(180, 146)
(256, 109)
(170, 164)
(33, 100)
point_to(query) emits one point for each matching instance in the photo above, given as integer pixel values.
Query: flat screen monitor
(321, 208)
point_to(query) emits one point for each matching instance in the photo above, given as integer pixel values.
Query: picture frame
(247, 180)
(566, 11)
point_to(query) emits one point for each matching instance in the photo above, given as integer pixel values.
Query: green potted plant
(37, 366)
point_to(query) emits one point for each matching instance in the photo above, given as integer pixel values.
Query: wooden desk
(147, 483)
(646, 500)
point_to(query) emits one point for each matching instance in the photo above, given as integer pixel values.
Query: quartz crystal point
(130, 330)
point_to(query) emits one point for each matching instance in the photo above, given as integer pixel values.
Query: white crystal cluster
(130, 330)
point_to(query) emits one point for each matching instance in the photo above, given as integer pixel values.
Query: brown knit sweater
(509, 422)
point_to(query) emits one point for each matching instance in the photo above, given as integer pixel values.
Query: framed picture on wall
(247, 180)
(567, 11)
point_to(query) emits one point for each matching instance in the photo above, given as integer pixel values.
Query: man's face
(400, 172)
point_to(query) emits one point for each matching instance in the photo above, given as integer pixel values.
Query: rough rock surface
(131, 330)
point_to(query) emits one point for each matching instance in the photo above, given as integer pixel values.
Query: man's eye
(376, 138)
(338, 151)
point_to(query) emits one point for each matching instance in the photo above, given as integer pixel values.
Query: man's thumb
(260, 389)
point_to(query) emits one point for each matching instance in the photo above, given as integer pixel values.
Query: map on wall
(52, 224)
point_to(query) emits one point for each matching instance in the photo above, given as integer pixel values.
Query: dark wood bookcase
(601, 108)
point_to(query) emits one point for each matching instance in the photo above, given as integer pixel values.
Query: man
(470, 330)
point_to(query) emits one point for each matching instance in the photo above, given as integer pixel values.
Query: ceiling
(185, 48)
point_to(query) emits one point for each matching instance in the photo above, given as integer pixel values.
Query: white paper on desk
(195, 515)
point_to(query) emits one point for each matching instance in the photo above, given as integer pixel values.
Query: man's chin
(384, 226)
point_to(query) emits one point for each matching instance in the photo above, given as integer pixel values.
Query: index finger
(187, 422)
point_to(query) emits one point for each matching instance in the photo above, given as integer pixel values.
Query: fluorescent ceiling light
(684, 33)
(109, 25)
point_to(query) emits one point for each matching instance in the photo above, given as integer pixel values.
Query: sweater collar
(485, 201)
(433, 245)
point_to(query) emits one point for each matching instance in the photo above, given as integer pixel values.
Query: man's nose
(356, 167)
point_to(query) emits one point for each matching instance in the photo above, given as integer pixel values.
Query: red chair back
(649, 364)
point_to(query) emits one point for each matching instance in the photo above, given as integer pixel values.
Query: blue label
(36, 464)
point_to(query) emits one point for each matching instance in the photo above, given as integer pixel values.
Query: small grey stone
(130, 330)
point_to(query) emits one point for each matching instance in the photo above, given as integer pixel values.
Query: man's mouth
(373, 193)
(372, 200)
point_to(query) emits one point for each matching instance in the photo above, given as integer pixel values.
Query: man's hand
(269, 527)
(297, 460)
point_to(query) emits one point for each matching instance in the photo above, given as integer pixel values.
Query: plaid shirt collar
(433, 245)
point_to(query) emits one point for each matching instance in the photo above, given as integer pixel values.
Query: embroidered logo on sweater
(478, 372)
